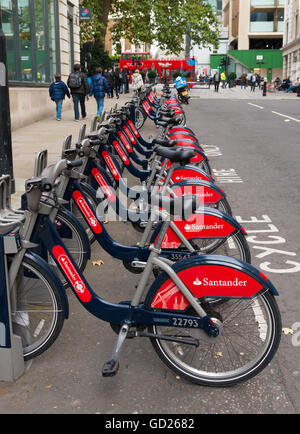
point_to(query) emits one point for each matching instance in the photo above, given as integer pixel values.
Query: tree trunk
(103, 18)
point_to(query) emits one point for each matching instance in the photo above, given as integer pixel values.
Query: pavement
(201, 91)
(253, 147)
(49, 134)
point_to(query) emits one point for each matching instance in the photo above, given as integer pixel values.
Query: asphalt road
(256, 161)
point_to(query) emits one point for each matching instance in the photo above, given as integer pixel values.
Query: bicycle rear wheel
(37, 313)
(249, 338)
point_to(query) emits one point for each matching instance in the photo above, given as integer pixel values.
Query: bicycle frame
(131, 314)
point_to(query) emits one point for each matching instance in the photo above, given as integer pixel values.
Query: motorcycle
(181, 85)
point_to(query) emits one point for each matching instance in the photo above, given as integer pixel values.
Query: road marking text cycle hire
(264, 243)
(212, 150)
(227, 176)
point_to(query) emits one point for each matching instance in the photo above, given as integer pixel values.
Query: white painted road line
(285, 116)
(255, 105)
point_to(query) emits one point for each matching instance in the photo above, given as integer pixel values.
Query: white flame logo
(79, 287)
(197, 282)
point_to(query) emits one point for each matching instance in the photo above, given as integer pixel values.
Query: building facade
(291, 41)
(42, 38)
(203, 55)
(254, 24)
(256, 27)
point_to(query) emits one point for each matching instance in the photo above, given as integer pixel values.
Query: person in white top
(137, 81)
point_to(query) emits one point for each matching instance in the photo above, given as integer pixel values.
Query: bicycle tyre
(76, 243)
(139, 118)
(235, 246)
(38, 316)
(167, 350)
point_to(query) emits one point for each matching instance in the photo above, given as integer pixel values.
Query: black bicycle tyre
(25, 331)
(139, 118)
(238, 238)
(81, 257)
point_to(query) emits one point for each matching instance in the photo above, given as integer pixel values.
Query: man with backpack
(99, 87)
(77, 82)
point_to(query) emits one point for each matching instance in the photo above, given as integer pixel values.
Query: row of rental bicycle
(210, 315)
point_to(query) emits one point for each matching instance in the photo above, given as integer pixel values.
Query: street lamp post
(6, 159)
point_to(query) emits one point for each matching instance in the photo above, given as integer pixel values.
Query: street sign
(85, 14)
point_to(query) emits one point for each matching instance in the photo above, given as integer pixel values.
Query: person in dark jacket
(57, 91)
(111, 82)
(77, 82)
(98, 89)
(118, 81)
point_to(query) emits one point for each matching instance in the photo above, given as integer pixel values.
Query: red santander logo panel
(73, 276)
(206, 281)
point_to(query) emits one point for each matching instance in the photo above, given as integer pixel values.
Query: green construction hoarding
(267, 60)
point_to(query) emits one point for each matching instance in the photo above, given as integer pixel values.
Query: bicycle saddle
(183, 206)
(169, 121)
(176, 155)
(164, 142)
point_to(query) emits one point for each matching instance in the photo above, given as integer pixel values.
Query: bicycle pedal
(110, 368)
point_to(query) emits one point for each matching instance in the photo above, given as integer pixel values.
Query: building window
(262, 22)
(31, 29)
(8, 28)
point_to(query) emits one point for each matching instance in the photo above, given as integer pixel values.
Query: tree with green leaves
(163, 22)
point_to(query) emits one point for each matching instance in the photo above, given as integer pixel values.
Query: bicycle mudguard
(207, 276)
(179, 129)
(190, 173)
(183, 135)
(204, 223)
(207, 192)
(62, 293)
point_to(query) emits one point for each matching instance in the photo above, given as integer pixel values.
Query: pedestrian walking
(243, 81)
(223, 80)
(105, 75)
(111, 82)
(217, 81)
(137, 81)
(77, 82)
(227, 80)
(123, 75)
(258, 80)
(57, 91)
(253, 82)
(98, 89)
(117, 81)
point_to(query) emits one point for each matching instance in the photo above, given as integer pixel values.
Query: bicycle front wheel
(37, 313)
(235, 246)
(249, 338)
(73, 237)
(139, 118)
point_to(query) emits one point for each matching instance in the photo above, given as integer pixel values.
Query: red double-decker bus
(165, 68)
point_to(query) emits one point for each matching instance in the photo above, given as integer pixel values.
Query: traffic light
(224, 62)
